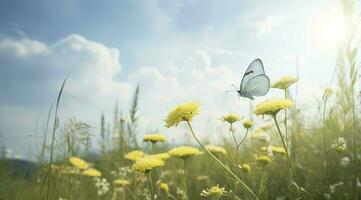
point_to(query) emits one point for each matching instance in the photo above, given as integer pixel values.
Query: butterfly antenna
(234, 86)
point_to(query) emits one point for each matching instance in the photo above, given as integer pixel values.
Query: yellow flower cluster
(182, 112)
(79, 163)
(154, 138)
(231, 118)
(216, 149)
(214, 191)
(275, 150)
(272, 107)
(92, 172)
(184, 152)
(246, 167)
(162, 156)
(164, 187)
(121, 182)
(284, 82)
(263, 160)
(134, 155)
(247, 123)
(146, 164)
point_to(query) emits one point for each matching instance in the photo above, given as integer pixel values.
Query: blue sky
(177, 50)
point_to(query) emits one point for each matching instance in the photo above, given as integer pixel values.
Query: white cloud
(92, 87)
(23, 48)
(265, 26)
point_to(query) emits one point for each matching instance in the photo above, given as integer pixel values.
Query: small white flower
(327, 195)
(335, 186)
(345, 161)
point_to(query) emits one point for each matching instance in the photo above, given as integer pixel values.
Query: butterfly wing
(258, 85)
(254, 69)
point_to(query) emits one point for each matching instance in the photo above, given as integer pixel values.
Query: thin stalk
(285, 120)
(56, 121)
(235, 141)
(288, 156)
(225, 167)
(150, 188)
(185, 179)
(244, 138)
(130, 192)
(324, 148)
(354, 147)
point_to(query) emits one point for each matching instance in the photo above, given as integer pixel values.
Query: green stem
(324, 148)
(288, 156)
(285, 120)
(151, 186)
(354, 147)
(185, 180)
(225, 167)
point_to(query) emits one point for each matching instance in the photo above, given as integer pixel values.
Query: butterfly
(254, 82)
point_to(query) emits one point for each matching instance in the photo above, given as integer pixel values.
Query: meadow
(282, 157)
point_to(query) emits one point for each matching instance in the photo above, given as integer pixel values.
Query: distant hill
(19, 168)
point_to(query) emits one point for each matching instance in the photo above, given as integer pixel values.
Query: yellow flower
(272, 107)
(341, 149)
(164, 187)
(79, 163)
(202, 178)
(275, 150)
(121, 182)
(214, 191)
(216, 149)
(183, 112)
(327, 93)
(92, 172)
(247, 123)
(184, 152)
(231, 118)
(264, 160)
(284, 82)
(246, 167)
(154, 138)
(146, 164)
(134, 155)
(162, 156)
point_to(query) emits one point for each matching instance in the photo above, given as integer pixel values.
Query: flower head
(340, 145)
(272, 107)
(246, 167)
(231, 118)
(79, 163)
(184, 152)
(263, 160)
(216, 149)
(284, 83)
(214, 191)
(92, 172)
(162, 156)
(146, 164)
(121, 182)
(164, 187)
(275, 150)
(183, 112)
(327, 93)
(247, 123)
(154, 138)
(134, 155)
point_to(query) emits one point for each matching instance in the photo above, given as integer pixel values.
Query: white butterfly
(254, 82)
